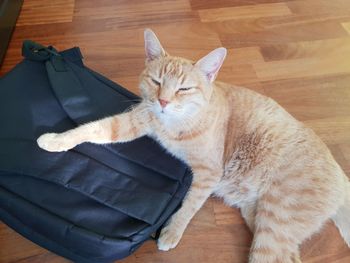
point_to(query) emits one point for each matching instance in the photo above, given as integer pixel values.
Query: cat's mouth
(162, 110)
(163, 113)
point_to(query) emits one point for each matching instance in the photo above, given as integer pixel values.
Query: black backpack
(94, 203)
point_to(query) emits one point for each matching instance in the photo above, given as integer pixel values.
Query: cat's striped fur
(242, 146)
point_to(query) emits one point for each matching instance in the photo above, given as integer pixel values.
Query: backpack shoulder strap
(65, 84)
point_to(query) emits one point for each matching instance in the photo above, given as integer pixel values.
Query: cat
(241, 146)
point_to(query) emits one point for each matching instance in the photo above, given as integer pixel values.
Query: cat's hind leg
(285, 217)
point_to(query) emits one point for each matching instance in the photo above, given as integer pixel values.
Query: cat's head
(176, 88)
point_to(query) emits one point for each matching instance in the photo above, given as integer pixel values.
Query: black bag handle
(66, 85)
(34, 51)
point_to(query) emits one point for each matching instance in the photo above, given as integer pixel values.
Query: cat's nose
(163, 103)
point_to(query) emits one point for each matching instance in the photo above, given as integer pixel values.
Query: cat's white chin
(166, 118)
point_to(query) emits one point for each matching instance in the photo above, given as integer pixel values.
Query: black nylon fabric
(93, 203)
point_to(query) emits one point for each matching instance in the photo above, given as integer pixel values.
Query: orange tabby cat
(241, 146)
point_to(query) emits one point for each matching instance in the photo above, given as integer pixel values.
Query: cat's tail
(342, 217)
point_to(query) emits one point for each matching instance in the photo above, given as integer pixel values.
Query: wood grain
(297, 52)
(46, 12)
(250, 11)
(199, 4)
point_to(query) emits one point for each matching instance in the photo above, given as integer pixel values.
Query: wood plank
(307, 49)
(129, 9)
(42, 258)
(280, 34)
(320, 7)
(250, 11)
(136, 14)
(322, 248)
(241, 75)
(304, 67)
(225, 215)
(332, 130)
(45, 12)
(312, 98)
(200, 4)
(247, 55)
(81, 4)
(14, 247)
(301, 13)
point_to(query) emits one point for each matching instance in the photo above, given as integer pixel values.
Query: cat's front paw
(53, 143)
(169, 238)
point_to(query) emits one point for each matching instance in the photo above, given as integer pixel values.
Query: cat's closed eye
(156, 82)
(185, 89)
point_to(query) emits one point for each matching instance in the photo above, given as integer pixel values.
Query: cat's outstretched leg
(120, 128)
(204, 180)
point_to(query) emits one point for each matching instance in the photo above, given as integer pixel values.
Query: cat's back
(262, 136)
(250, 112)
(255, 115)
(263, 141)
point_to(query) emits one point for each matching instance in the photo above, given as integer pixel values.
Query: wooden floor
(297, 52)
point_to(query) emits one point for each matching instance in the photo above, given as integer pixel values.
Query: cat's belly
(235, 193)
(238, 187)
(246, 170)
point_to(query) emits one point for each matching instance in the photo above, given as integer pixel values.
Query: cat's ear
(153, 47)
(211, 63)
